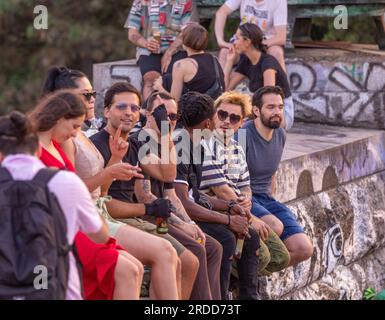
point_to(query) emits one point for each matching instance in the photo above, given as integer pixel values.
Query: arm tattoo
(145, 196)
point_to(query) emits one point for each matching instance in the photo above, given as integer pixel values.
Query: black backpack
(34, 259)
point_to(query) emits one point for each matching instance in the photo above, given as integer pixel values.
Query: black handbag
(216, 89)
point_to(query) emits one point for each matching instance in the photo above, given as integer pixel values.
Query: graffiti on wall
(339, 94)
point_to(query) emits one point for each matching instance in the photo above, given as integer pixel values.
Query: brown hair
(150, 100)
(236, 98)
(16, 135)
(257, 99)
(119, 87)
(67, 104)
(254, 33)
(195, 36)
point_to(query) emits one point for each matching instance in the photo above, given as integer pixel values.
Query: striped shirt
(224, 165)
(167, 17)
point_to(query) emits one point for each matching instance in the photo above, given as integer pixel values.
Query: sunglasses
(223, 115)
(122, 106)
(88, 95)
(173, 116)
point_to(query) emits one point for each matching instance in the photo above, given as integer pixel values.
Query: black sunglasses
(88, 95)
(173, 116)
(223, 115)
(122, 106)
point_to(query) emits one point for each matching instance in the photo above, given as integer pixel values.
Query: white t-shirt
(74, 199)
(266, 14)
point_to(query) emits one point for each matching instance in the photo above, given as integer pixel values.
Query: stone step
(320, 157)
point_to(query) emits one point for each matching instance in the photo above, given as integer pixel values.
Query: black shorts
(152, 62)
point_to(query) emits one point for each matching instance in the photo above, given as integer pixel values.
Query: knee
(277, 226)
(168, 253)
(307, 249)
(189, 262)
(304, 249)
(150, 77)
(127, 271)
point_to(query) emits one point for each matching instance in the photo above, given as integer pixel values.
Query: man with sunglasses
(161, 113)
(221, 219)
(225, 175)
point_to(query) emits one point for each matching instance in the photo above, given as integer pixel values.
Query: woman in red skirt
(109, 272)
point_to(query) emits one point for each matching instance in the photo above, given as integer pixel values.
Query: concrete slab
(320, 157)
(306, 138)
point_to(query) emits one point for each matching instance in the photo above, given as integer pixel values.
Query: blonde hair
(237, 98)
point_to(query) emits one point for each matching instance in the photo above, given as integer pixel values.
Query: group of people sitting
(178, 182)
(112, 187)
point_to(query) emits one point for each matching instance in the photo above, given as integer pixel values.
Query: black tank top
(205, 76)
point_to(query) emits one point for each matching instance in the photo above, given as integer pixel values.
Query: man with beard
(265, 141)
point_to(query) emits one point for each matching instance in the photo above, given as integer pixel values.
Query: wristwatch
(230, 205)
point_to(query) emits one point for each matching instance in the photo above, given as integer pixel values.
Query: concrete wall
(339, 93)
(330, 88)
(346, 225)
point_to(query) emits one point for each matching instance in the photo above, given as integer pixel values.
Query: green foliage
(79, 34)
(360, 30)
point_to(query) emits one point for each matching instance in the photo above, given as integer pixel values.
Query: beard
(270, 123)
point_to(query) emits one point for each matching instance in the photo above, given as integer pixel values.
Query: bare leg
(128, 277)
(190, 266)
(274, 223)
(300, 248)
(156, 253)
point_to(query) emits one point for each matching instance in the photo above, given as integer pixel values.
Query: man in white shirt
(269, 15)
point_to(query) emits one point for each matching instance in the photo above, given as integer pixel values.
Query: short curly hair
(195, 107)
(237, 98)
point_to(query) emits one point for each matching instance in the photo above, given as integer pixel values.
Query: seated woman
(19, 147)
(260, 68)
(109, 272)
(200, 71)
(89, 166)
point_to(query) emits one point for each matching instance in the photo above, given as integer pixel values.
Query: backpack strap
(44, 176)
(5, 175)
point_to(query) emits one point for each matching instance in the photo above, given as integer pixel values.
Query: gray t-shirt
(263, 157)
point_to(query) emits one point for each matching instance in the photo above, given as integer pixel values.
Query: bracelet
(230, 205)
(229, 220)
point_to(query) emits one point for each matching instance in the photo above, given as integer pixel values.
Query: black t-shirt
(255, 72)
(189, 170)
(120, 190)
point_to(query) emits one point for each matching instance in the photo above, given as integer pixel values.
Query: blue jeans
(263, 204)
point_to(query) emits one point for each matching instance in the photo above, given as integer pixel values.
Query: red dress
(98, 260)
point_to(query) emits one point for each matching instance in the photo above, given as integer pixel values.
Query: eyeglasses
(122, 106)
(173, 116)
(88, 95)
(223, 115)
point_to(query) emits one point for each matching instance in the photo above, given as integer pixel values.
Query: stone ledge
(346, 224)
(319, 157)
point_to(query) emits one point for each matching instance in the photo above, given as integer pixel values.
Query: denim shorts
(263, 204)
